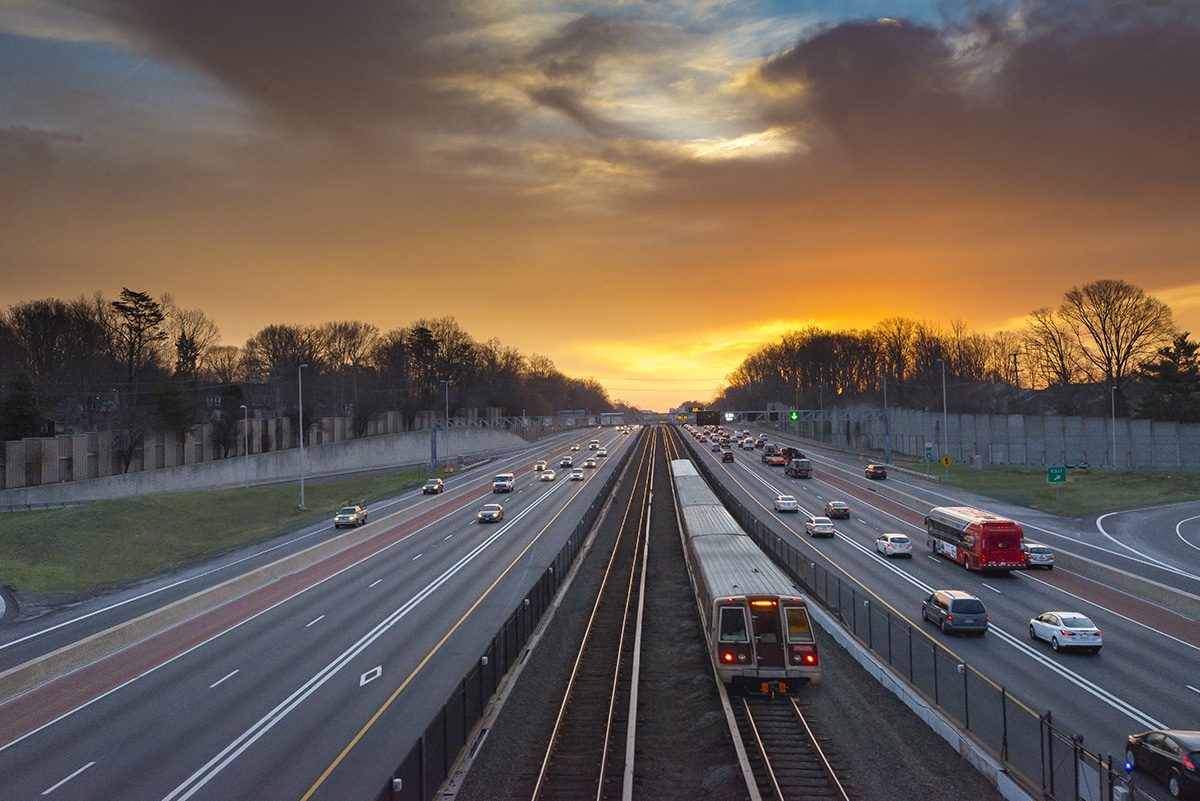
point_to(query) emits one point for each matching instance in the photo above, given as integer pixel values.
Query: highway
(1144, 678)
(315, 687)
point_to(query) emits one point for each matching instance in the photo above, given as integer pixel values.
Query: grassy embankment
(1086, 491)
(108, 543)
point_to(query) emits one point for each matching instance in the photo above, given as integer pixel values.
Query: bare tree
(223, 364)
(347, 348)
(1053, 355)
(193, 335)
(1118, 326)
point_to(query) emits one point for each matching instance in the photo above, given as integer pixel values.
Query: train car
(760, 635)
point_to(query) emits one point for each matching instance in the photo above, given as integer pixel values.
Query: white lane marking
(990, 587)
(373, 583)
(1179, 532)
(316, 620)
(448, 536)
(50, 790)
(223, 678)
(370, 675)
(1193, 689)
(1140, 557)
(1096, 690)
(1113, 612)
(203, 775)
(418, 556)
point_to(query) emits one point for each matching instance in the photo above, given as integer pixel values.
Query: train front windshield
(799, 626)
(733, 625)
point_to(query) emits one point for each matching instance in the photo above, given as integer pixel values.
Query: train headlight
(741, 657)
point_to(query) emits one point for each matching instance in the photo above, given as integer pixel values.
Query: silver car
(819, 527)
(1038, 555)
(894, 545)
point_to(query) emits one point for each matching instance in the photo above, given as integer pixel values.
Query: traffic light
(795, 415)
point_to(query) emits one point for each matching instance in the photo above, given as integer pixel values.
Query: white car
(548, 475)
(1066, 630)
(786, 503)
(747, 444)
(577, 474)
(602, 452)
(894, 545)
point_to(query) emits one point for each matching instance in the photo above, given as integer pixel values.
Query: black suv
(876, 471)
(955, 610)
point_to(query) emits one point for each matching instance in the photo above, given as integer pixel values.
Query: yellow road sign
(946, 460)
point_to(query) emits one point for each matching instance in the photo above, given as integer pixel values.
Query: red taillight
(1188, 763)
(727, 656)
(1066, 633)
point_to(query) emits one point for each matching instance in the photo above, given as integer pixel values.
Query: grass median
(110, 543)
(1086, 492)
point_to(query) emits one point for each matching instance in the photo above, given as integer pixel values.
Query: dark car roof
(1188, 739)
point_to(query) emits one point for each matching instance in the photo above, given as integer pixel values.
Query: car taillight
(1066, 633)
(1188, 763)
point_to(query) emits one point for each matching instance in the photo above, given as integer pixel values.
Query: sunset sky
(640, 191)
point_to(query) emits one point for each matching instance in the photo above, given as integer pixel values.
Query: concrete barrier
(1183, 603)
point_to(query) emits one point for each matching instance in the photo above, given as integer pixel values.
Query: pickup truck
(776, 460)
(799, 468)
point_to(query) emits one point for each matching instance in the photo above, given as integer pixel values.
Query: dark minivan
(955, 611)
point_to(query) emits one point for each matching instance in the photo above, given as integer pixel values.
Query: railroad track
(590, 753)
(782, 757)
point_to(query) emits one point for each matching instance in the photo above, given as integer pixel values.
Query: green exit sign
(1056, 475)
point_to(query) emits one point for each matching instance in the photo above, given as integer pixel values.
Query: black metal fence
(427, 765)
(1043, 760)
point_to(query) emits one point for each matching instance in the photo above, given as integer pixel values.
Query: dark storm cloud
(574, 51)
(333, 65)
(572, 61)
(1098, 95)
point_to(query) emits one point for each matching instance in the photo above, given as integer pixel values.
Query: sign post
(1056, 474)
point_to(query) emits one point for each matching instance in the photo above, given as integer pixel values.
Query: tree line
(1108, 347)
(137, 363)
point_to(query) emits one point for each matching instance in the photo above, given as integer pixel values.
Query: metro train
(760, 635)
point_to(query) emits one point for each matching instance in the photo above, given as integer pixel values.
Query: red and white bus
(975, 539)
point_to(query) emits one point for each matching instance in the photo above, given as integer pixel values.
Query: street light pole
(300, 392)
(246, 441)
(945, 431)
(447, 382)
(887, 426)
(1113, 394)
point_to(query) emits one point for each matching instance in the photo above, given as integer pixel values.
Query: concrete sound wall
(408, 449)
(1014, 439)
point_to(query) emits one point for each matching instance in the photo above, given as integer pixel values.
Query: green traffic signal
(795, 415)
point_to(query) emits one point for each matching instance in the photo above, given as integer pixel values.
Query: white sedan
(1066, 630)
(548, 475)
(577, 474)
(894, 545)
(786, 503)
